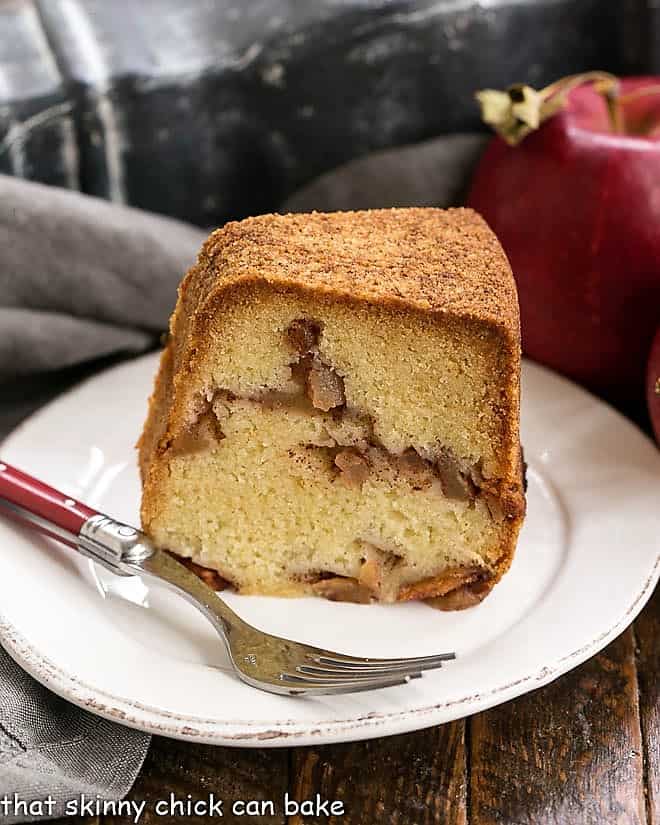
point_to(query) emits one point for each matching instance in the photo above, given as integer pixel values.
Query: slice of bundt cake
(336, 411)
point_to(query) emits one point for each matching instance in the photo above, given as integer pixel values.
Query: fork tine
(349, 675)
(310, 684)
(352, 670)
(354, 663)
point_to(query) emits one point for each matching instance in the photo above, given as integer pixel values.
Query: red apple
(653, 385)
(576, 206)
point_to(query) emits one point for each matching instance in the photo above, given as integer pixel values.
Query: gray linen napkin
(82, 282)
(80, 278)
(50, 749)
(432, 173)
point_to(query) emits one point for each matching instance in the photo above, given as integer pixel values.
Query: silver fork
(264, 661)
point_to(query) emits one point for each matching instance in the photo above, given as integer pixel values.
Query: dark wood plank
(569, 754)
(412, 779)
(647, 634)
(76, 820)
(188, 769)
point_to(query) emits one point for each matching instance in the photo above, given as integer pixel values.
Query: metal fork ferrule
(113, 543)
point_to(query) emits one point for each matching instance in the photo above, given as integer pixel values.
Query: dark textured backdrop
(210, 109)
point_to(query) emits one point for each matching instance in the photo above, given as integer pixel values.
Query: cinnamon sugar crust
(431, 259)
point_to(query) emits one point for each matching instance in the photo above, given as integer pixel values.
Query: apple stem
(520, 109)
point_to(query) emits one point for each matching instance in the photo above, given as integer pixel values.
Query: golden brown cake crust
(427, 261)
(430, 259)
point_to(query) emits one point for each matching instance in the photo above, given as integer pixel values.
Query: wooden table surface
(583, 750)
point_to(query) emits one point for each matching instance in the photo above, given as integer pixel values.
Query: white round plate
(586, 563)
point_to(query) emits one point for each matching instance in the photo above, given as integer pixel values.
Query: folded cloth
(81, 282)
(432, 173)
(81, 278)
(52, 753)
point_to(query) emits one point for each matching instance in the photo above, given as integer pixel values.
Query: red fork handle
(44, 508)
